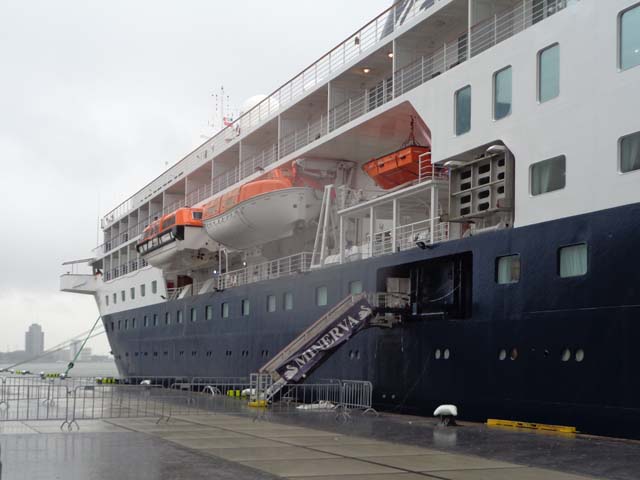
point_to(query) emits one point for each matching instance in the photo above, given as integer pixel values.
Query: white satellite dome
(272, 104)
(251, 102)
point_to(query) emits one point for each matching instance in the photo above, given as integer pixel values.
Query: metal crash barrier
(74, 399)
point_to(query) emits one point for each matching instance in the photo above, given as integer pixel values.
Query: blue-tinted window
(549, 73)
(630, 38)
(502, 93)
(463, 110)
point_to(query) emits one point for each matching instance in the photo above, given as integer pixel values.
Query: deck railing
(482, 36)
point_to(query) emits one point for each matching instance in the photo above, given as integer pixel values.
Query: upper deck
(380, 62)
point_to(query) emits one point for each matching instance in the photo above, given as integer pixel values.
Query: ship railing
(483, 35)
(429, 172)
(408, 236)
(506, 24)
(291, 265)
(302, 137)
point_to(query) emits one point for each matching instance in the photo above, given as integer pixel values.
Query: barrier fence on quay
(73, 399)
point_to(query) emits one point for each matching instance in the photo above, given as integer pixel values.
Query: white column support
(372, 222)
(394, 233)
(434, 211)
(341, 238)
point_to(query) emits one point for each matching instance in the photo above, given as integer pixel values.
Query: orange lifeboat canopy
(399, 167)
(168, 228)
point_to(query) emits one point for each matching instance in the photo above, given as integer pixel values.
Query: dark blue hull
(536, 321)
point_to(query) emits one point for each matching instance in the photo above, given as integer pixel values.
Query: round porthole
(447, 354)
(579, 355)
(502, 355)
(438, 354)
(566, 355)
(514, 354)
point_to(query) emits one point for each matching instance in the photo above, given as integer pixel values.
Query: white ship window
(288, 301)
(155, 319)
(271, 303)
(143, 290)
(179, 316)
(502, 93)
(115, 298)
(106, 300)
(194, 315)
(573, 260)
(246, 307)
(548, 175)
(508, 269)
(629, 26)
(463, 110)
(122, 295)
(167, 318)
(355, 287)
(224, 310)
(549, 73)
(154, 286)
(208, 312)
(630, 153)
(133, 293)
(322, 296)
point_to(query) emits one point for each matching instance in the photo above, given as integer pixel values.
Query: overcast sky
(97, 96)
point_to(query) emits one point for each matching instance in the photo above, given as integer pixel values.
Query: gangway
(320, 340)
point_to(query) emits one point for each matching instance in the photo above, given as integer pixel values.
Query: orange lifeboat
(267, 209)
(175, 240)
(400, 167)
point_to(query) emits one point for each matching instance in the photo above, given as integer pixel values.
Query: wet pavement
(305, 445)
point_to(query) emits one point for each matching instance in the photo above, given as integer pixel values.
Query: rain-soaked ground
(259, 444)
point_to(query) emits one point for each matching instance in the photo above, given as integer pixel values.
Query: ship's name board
(334, 335)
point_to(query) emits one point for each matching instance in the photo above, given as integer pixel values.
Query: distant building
(75, 348)
(34, 340)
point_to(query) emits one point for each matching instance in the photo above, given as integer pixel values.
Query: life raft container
(399, 167)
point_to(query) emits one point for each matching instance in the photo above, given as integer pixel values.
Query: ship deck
(309, 445)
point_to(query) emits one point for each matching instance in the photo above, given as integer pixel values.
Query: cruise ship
(465, 172)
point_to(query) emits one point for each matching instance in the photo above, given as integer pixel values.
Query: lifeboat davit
(177, 241)
(400, 167)
(264, 210)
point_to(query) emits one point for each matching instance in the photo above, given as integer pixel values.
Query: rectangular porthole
(322, 296)
(355, 287)
(133, 293)
(246, 308)
(271, 303)
(167, 318)
(573, 260)
(288, 301)
(549, 73)
(508, 269)
(502, 93)
(179, 316)
(224, 310)
(463, 110)
(548, 175)
(194, 315)
(143, 290)
(154, 287)
(629, 153)
(629, 38)
(155, 319)
(208, 311)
